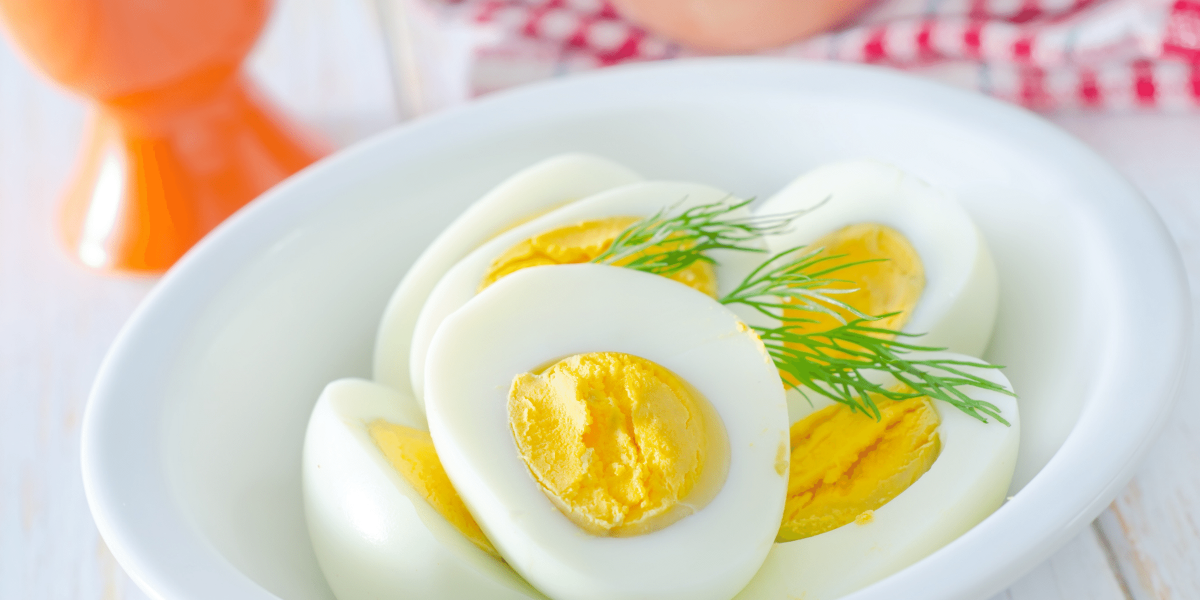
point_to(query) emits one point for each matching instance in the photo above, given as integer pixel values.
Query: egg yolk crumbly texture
(615, 441)
(580, 243)
(846, 464)
(411, 452)
(891, 282)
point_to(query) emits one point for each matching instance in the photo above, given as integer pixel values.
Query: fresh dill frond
(796, 279)
(670, 241)
(835, 363)
(842, 363)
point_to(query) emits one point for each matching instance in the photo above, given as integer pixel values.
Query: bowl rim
(169, 558)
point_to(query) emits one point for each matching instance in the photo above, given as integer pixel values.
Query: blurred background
(1122, 75)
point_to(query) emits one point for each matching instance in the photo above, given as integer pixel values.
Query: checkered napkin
(1045, 54)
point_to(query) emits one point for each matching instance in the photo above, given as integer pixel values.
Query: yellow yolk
(616, 442)
(411, 452)
(580, 243)
(846, 464)
(891, 285)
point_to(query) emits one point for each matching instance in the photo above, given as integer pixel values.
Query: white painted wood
(56, 322)
(1079, 570)
(430, 52)
(326, 61)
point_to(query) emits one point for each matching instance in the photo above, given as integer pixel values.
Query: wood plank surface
(1081, 569)
(326, 61)
(56, 322)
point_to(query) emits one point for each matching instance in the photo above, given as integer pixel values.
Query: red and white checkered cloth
(1044, 54)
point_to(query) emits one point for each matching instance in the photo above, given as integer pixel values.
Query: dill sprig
(842, 363)
(835, 363)
(796, 279)
(667, 243)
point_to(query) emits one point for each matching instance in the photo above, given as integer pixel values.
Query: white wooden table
(326, 62)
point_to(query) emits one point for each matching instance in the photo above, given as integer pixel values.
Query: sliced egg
(966, 482)
(642, 199)
(681, 493)
(510, 333)
(531, 192)
(375, 533)
(956, 309)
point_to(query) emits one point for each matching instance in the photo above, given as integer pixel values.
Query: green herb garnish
(843, 363)
(665, 244)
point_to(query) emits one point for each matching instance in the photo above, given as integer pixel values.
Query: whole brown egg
(737, 25)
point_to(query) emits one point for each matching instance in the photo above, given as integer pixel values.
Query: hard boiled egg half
(551, 183)
(616, 434)
(574, 233)
(867, 498)
(920, 254)
(384, 520)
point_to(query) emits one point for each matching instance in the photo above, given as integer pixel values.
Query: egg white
(374, 535)
(967, 482)
(550, 183)
(536, 316)
(957, 308)
(461, 282)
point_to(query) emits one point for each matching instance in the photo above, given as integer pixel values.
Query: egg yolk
(580, 243)
(411, 452)
(618, 443)
(846, 464)
(891, 283)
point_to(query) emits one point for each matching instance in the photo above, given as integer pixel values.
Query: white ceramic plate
(192, 439)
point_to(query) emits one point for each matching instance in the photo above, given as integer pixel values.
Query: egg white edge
(461, 282)
(957, 309)
(552, 182)
(471, 470)
(347, 482)
(858, 553)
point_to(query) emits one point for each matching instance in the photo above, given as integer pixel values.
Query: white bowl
(192, 438)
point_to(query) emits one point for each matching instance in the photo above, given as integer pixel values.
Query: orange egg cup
(179, 138)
